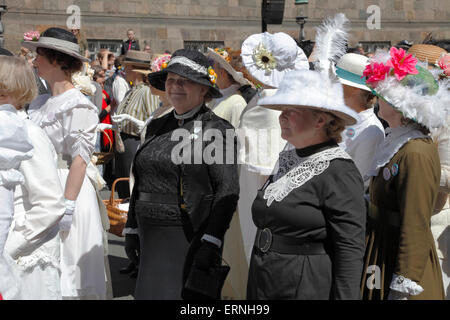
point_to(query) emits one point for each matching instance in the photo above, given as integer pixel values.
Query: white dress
(70, 121)
(15, 147)
(33, 240)
(440, 221)
(260, 133)
(230, 108)
(361, 140)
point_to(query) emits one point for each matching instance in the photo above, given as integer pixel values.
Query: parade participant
(231, 104)
(179, 211)
(267, 58)
(33, 241)
(70, 121)
(438, 61)
(361, 140)
(15, 147)
(405, 181)
(318, 253)
(138, 103)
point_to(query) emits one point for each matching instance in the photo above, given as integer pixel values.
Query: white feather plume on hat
(331, 42)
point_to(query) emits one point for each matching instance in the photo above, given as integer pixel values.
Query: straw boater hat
(59, 40)
(223, 58)
(139, 60)
(400, 80)
(311, 90)
(427, 53)
(268, 57)
(189, 64)
(350, 68)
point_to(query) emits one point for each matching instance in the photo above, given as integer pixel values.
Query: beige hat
(427, 52)
(217, 57)
(138, 59)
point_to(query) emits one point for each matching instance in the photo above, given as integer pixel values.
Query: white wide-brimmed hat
(59, 40)
(350, 68)
(312, 90)
(221, 60)
(268, 57)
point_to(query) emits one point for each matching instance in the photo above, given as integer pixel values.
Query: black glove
(132, 248)
(207, 256)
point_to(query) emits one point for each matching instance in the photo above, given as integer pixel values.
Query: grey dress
(329, 208)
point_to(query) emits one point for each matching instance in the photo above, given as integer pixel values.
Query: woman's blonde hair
(17, 79)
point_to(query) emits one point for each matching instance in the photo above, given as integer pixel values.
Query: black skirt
(163, 252)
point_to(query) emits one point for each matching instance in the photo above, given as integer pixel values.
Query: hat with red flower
(405, 83)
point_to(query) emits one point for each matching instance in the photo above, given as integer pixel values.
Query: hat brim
(144, 72)
(341, 115)
(33, 45)
(237, 76)
(353, 84)
(158, 79)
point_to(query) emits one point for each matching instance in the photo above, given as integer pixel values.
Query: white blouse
(15, 146)
(70, 121)
(39, 201)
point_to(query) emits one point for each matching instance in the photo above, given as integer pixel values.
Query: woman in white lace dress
(15, 147)
(33, 241)
(310, 214)
(70, 121)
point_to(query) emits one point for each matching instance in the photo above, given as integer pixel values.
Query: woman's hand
(106, 126)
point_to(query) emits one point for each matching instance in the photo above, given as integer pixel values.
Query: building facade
(174, 24)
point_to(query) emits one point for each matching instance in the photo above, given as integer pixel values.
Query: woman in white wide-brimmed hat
(310, 214)
(70, 120)
(267, 58)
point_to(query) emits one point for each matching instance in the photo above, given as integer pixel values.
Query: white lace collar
(299, 171)
(395, 139)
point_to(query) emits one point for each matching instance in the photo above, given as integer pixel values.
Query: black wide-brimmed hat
(59, 40)
(189, 64)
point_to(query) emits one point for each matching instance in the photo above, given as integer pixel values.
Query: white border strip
(188, 63)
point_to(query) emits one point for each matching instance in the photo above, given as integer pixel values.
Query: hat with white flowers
(268, 57)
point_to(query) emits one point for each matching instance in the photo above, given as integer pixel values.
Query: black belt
(158, 197)
(267, 241)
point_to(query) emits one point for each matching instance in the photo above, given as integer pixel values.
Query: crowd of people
(277, 170)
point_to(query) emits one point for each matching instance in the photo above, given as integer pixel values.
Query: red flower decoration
(402, 63)
(375, 72)
(444, 64)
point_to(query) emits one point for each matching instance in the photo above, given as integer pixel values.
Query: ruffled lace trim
(395, 139)
(41, 259)
(306, 169)
(405, 285)
(10, 178)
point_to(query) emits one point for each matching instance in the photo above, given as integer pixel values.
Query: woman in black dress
(310, 214)
(181, 205)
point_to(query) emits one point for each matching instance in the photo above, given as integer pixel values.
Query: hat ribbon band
(350, 76)
(188, 63)
(63, 44)
(136, 60)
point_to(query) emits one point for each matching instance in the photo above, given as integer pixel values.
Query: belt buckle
(268, 240)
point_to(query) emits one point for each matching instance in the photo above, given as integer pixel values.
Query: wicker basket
(117, 217)
(104, 157)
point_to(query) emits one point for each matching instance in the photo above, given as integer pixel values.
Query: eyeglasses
(179, 82)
